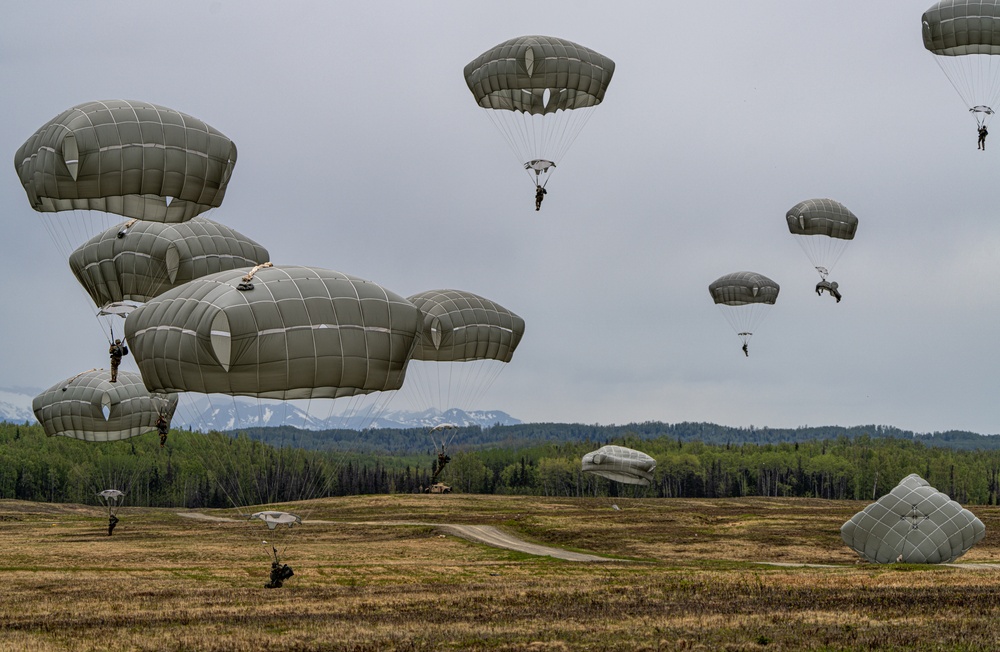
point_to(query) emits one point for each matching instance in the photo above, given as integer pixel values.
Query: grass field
(685, 575)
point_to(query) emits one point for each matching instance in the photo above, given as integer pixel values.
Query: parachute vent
(529, 61)
(71, 155)
(222, 339)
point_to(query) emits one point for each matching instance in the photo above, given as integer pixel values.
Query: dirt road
(486, 534)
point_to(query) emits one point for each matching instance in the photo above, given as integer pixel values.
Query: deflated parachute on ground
(915, 524)
(620, 464)
(89, 406)
(274, 518)
(552, 79)
(145, 259)
(965, 37)
(291, 333)
(460, 326)
(126, 157)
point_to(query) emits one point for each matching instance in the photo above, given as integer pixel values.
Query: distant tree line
(197, 470)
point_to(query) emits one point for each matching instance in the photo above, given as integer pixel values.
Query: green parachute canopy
(964, 36)
(914, 524)
(620, 464)
(131, 158)
(89, 406)
(465, 342)
(460, 326)
(140, 260)
(281, 332)
(744, 298)
(539, 91)
(824, 227)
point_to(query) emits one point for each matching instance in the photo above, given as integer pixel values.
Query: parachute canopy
(289, 333)
(273, 519)
(126, 157)
(915, 524)
(743, 298)
(89, 406)
(539, 91)
(111, 495)
(138, 261)
(460, 326)
(826, 226)
(965, 37)
(515, 75)
(465, 342)
(620, 464)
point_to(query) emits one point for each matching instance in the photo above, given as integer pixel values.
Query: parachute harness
(247, 281)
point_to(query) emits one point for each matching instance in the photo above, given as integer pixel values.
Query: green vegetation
(217, 470)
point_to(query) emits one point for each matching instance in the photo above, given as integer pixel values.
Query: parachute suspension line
(976, 79)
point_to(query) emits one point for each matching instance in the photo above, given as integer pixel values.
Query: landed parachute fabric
(620, 464)
(300, 333)
(90, 407)
(150, 258)
(126, 157)
(915, 524)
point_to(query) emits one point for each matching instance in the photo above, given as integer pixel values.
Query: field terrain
(678, 574)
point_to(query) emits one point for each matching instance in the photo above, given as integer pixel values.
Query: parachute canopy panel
(620, 464)
(961, 27)
(915, 524)
(539, 75)
(145, 259)
(742, 288)
(131, 158)
(291, 333)
(825, 217)
(89, 406)
(460, 326)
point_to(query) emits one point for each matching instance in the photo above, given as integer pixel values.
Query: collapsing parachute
(744, 298)
(136, 262)
(464, 343)
(620, 464)
(274, 518)
(90, 407)
(823, 228)
(276, 332)
(539, 91)
(135, 159)
(915, 524)
(964, 36)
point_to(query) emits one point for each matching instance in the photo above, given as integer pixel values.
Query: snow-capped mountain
(15, 405)
(202, 413)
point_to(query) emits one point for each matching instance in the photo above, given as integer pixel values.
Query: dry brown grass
(689, 578)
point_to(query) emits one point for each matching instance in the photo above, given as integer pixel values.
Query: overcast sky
(361, 150)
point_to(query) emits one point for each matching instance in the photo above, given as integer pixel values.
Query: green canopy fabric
(620, 464)
(460, 326)
(826, 217)
(516, 74)
(915, 524)
(292, 333)
(741, 288)
(146, 259)
(961, 27)
(126, 157)
(89, 406)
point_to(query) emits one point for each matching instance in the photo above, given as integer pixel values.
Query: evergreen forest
(196, 470)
